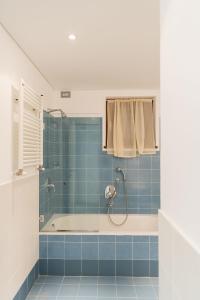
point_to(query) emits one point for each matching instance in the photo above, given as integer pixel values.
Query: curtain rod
(131, 97)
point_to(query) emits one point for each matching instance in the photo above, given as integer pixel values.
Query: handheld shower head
(118, 169)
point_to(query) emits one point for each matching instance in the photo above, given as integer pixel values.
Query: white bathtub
(99, 223)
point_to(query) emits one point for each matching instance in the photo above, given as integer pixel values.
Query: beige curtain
(130, 127)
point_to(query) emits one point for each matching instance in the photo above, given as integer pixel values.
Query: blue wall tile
(141, 268)
(132, 175)
(141, 251)
(107, 251)
(154, 239)
(89, 238)
(78, 167)
(73, 251)
(43, 250)
(90, 268)
(124, 239)
(17, 296)
(73, 267)
(100, 255)
(141, 239)
(55, 238)
(153, 251)
(145, 162)
(153, 268)
(31, 278)
(72, 238)
(155, 188)
(107, 268)
(124, 251)
(119, 162)
(90, 251)
(156, 162)
(43, 267)
(27, 284)
(43, 238)
(55, 250)
(56, 267)
(124, 267)
(155, 175)
(133, 163)
(24, 290)
(106, 238)
(144, 175)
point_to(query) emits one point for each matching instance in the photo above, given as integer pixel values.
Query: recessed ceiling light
(71, 37)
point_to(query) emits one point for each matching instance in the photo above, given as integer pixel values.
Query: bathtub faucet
(110, 193)
(49, 185)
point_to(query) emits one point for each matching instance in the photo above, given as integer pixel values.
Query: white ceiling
(117, 44)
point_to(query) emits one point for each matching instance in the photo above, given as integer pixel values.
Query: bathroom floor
(94, 288)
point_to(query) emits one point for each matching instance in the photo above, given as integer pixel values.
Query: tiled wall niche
(80, 170)
(104, 255)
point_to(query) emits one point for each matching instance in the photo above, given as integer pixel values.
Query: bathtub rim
(133, 233)
(120, 233)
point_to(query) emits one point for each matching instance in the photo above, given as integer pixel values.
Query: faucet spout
(51, 186)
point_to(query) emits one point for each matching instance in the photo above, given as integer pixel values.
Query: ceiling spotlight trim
(72, 37)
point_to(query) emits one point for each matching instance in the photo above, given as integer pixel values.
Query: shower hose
(126, 205)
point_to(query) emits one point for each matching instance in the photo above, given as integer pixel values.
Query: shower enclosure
(65, 185)
(51, 193)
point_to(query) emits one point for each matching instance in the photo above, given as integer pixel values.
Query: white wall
(180, 143)
(19, 199)
(92, 103)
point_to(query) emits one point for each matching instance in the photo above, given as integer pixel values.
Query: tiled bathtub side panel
(99, 255)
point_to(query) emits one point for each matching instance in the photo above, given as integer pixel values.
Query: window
(130, 127)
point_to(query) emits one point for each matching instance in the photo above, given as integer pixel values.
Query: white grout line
(61, 284)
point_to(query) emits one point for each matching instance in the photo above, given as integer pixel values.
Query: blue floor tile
(126, 291)
(142, 281)
(89, 280)
(66, 298)
(41, 279)
(123, 280)
(68, 290)
(106, 280)
(125, 298)
(71, 280)
(145, 291)
(88, 290)
(35, 290)
(46, 298)
(108, 298)
(154, 281)
(53, 279)
(86, 298)
(94, 288)
(146, 299)
(49, 290)
(107, 290)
